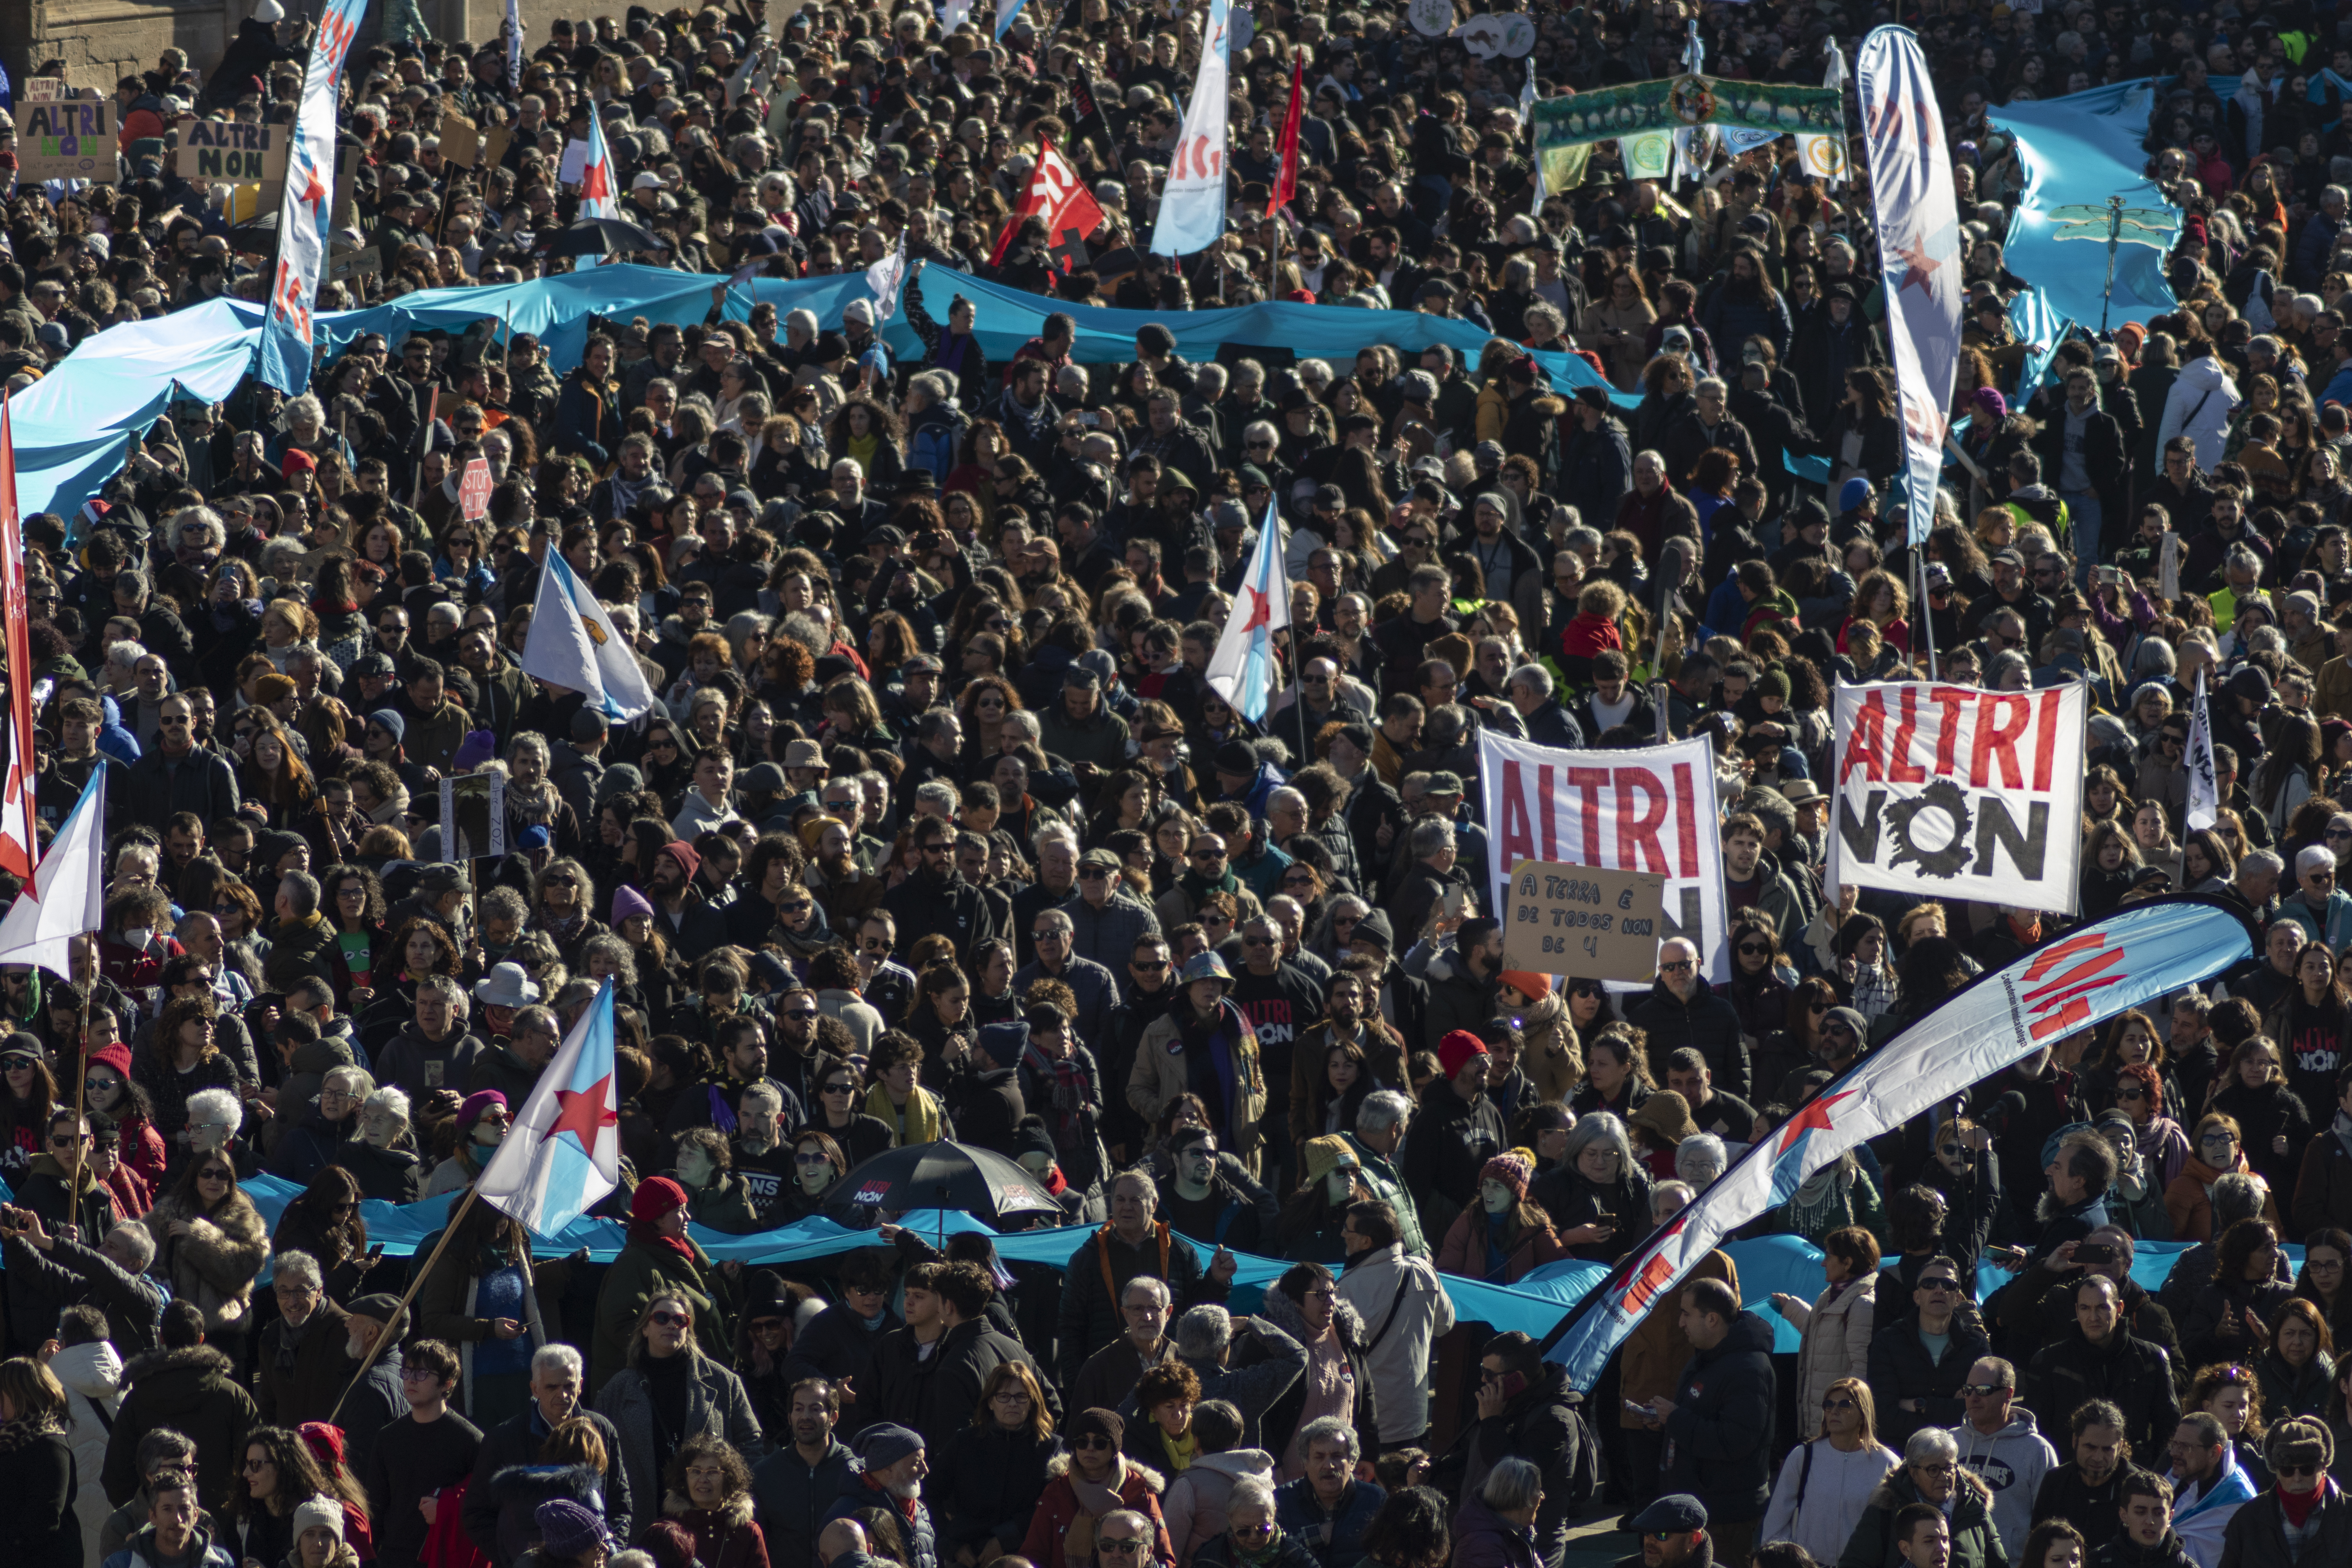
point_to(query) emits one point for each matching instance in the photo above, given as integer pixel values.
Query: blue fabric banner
(2077, 151)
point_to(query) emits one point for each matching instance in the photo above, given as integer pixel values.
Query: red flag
(17, 844)
(1286, 179)
(1057, 195)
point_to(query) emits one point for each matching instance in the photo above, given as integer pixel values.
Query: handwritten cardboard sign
(66, 139)
(230, 150)
(1586, 920)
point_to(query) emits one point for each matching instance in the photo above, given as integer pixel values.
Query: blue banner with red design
(2074, 981)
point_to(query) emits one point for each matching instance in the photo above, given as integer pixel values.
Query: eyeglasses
(2216, 1139)
(1051, 933)
(254, 1466)
(215, 1174)
(1128, 1548)
(799, 1012)
(1207, 856)
(2295, 1470)
(1141, 967)
(1677, 966)
(1936, 1469)
(1092, 873)
(840, 1087)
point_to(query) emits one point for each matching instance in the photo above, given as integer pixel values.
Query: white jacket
(1399, 1356)
(1836, 1492)
(1836, 1344)
(93, 1374)
(1194, 1504)
(2199, 404)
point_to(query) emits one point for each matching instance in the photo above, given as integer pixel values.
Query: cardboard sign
(66, 139)
(347, 171)
(2168, 571)
(366, 263)
(461, 144)
(45, 88)
(230, 150)
(575, 163)
(1960, 794)
(1584, 920)
(495, 142)
(474, 489)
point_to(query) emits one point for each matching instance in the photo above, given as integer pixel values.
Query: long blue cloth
(1768, 1264)
(2078, 150)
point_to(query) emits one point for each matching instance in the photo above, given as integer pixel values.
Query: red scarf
(905, 1505)
(2297, 1506)
(648, 1205)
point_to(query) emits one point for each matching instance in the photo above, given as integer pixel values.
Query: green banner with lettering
(1640, 113)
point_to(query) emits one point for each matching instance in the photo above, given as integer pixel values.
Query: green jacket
(634, 1278)
(1388, 1185)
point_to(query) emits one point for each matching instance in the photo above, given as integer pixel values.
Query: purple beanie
(628, 901)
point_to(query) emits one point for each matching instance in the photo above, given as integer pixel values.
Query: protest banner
(230, 150)
(1651, 810)
(1959, 793)
(66, 139)
(461, 143)
(1582, 920)
(45, 88)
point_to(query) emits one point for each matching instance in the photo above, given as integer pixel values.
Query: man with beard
(741, 1039)
(892, 1479)
(937, 899)
(1200, 1202)
(687, 920)
(1282, 1002)
(764, 1157)
(2086, 1489)
(374, 1401)
(1344, 1022)
(557, 1377)
(793, 1488)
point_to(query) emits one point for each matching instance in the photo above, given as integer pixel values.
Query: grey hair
(1431, 834)
(392, 1100)
(1382, 1111)
(1142, 1178)
(766, 1095)
(1285, 796)
(2237, 1196)
(1126, 1517)
(298, 1266)
(217, 1105)
(1930, 1444)
(1515, 1483)
(529, 741)
(138, 1243)
(357, 1081)
(1599, 1127)
(1702, 1159)
(560, 1355)
(939, 793)
(2262, 860)
(1534, 677)
(936, 386)
(1257, 1492)
(1331, 1429)
(1156, 1287)
(1204, 1333)
(506, 904)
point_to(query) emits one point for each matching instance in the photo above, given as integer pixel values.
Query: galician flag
(1242, 670)
(598, 197)
(307, 208)
(67, 895)
(563, 1155)
(1192, 200)
(574, 644)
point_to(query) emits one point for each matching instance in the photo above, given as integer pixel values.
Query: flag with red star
(306, 210)
(2132, 957)
(562, 1154)
(597, 198)
(1919, 233)
(1242, 670)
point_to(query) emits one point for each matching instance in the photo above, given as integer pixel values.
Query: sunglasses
(1754, 950)
(670, 1319)
(1838, 1402)
(1983, 1390)
(1939, 1285)
(1086, 1445)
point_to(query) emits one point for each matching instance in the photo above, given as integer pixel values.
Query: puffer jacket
(1837, 1331)
(1059, 1515)
(215, 1265)
(1195, 1506)
(92, 1375)
(1707, 1022)
(1719, 1438)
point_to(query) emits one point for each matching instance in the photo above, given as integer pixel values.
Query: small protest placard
(66, 139)
(461, 144)
(473, 490)
(1586, 920)
(45, 88)
(575, 162)
(230, 150)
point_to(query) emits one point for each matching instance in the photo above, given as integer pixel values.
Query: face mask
(139, 936)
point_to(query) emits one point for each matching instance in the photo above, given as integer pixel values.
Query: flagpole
(400, 1315)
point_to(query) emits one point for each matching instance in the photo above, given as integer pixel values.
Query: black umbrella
(942, 1175)
(600, 236)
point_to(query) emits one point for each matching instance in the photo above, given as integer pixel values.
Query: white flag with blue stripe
(1242, 670)
(563, 1155)
(1192, 200)
(574, 644)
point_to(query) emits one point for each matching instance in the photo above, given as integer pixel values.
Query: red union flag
(1959, 793)
(2132, 957)
(1057, 195)
(1651, 809)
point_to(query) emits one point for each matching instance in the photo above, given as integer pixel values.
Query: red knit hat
(116, 1056)
(1457, 1047)
(1527, 983)
(653, 1199)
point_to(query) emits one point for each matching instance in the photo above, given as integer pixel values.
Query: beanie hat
(628, 903)
(1527, 983)
(476, 1103)
(1097, 1422)
(1323, 1156)
(885, 1443)
(1032, 1137)
(325, 1443)
(319, 1513)
(679, 851)
(116, 1056)
(653, 1199)
(1852, 493)
(1457, 1047)
(568, 1530)
(1513, 1169)
(392, 722)
(479, 747)
(1773, 682)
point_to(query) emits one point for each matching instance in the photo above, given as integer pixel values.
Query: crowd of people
(938, 827)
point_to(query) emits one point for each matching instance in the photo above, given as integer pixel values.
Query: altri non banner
(1653, 809)
(1959, 793)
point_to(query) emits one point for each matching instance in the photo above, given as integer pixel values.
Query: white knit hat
(319, 1512)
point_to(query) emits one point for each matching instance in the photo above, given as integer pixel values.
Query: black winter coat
(993, 1479)
(2134, 1373)
(1545, 1426)
(837, 1344)
(38, 1529)
(1090, 1317)
(1900, 1370)
(2089, 1509)
(2255, 1536)
(1719, 1438)
(1707, 1022)
(936, 1395)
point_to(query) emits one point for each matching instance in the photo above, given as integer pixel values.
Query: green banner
(1639, 108)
